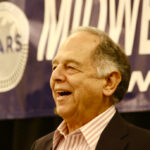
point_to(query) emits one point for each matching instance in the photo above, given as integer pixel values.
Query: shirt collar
(62, 129)
(100, 123)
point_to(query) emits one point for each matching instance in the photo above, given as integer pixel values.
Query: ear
(111, 83)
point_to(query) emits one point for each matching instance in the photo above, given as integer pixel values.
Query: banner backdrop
(31, 32)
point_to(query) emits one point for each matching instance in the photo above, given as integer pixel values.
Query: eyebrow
(55, 61)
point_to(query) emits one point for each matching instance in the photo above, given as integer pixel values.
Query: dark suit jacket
(118, 135)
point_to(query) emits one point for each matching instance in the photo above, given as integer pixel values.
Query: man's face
(75, 87)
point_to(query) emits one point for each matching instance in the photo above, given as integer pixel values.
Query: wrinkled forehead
(80, 41)
(78, 45)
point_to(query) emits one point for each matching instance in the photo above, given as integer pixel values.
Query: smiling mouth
(64, 93)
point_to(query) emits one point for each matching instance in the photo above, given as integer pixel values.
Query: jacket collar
(114, 136)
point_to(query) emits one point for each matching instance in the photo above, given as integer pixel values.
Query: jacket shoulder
(139, 136)
(44, 142)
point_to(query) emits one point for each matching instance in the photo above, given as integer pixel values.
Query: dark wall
(20, 134)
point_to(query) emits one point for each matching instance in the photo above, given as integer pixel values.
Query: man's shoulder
(138, 138)
(121, 131)
(46, 137)
(44, 142)
(136, 131)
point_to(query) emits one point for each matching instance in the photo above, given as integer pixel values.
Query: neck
(76, 122)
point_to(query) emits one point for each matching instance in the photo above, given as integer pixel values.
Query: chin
(63, 113)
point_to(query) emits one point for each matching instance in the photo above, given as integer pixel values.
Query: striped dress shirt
(84, 138)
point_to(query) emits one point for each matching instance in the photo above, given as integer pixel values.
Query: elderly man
(89, 74)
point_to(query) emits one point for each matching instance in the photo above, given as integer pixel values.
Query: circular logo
(14, 39)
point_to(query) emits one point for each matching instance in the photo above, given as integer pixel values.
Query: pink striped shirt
(84, 138)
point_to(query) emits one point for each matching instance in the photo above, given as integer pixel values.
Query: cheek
(88, 89)
(51, 83)
(82, 92)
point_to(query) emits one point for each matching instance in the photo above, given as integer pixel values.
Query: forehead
(79, 46)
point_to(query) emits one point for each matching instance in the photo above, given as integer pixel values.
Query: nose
(58, 74)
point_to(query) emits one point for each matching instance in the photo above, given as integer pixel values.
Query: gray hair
(110, 57)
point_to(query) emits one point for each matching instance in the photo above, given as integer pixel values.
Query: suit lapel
(51, 143)
(114, 136)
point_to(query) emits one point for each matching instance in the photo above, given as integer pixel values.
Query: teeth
(60, 91)
(63, 93)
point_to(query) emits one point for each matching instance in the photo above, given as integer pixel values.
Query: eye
(70, 67)
(54, 67)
